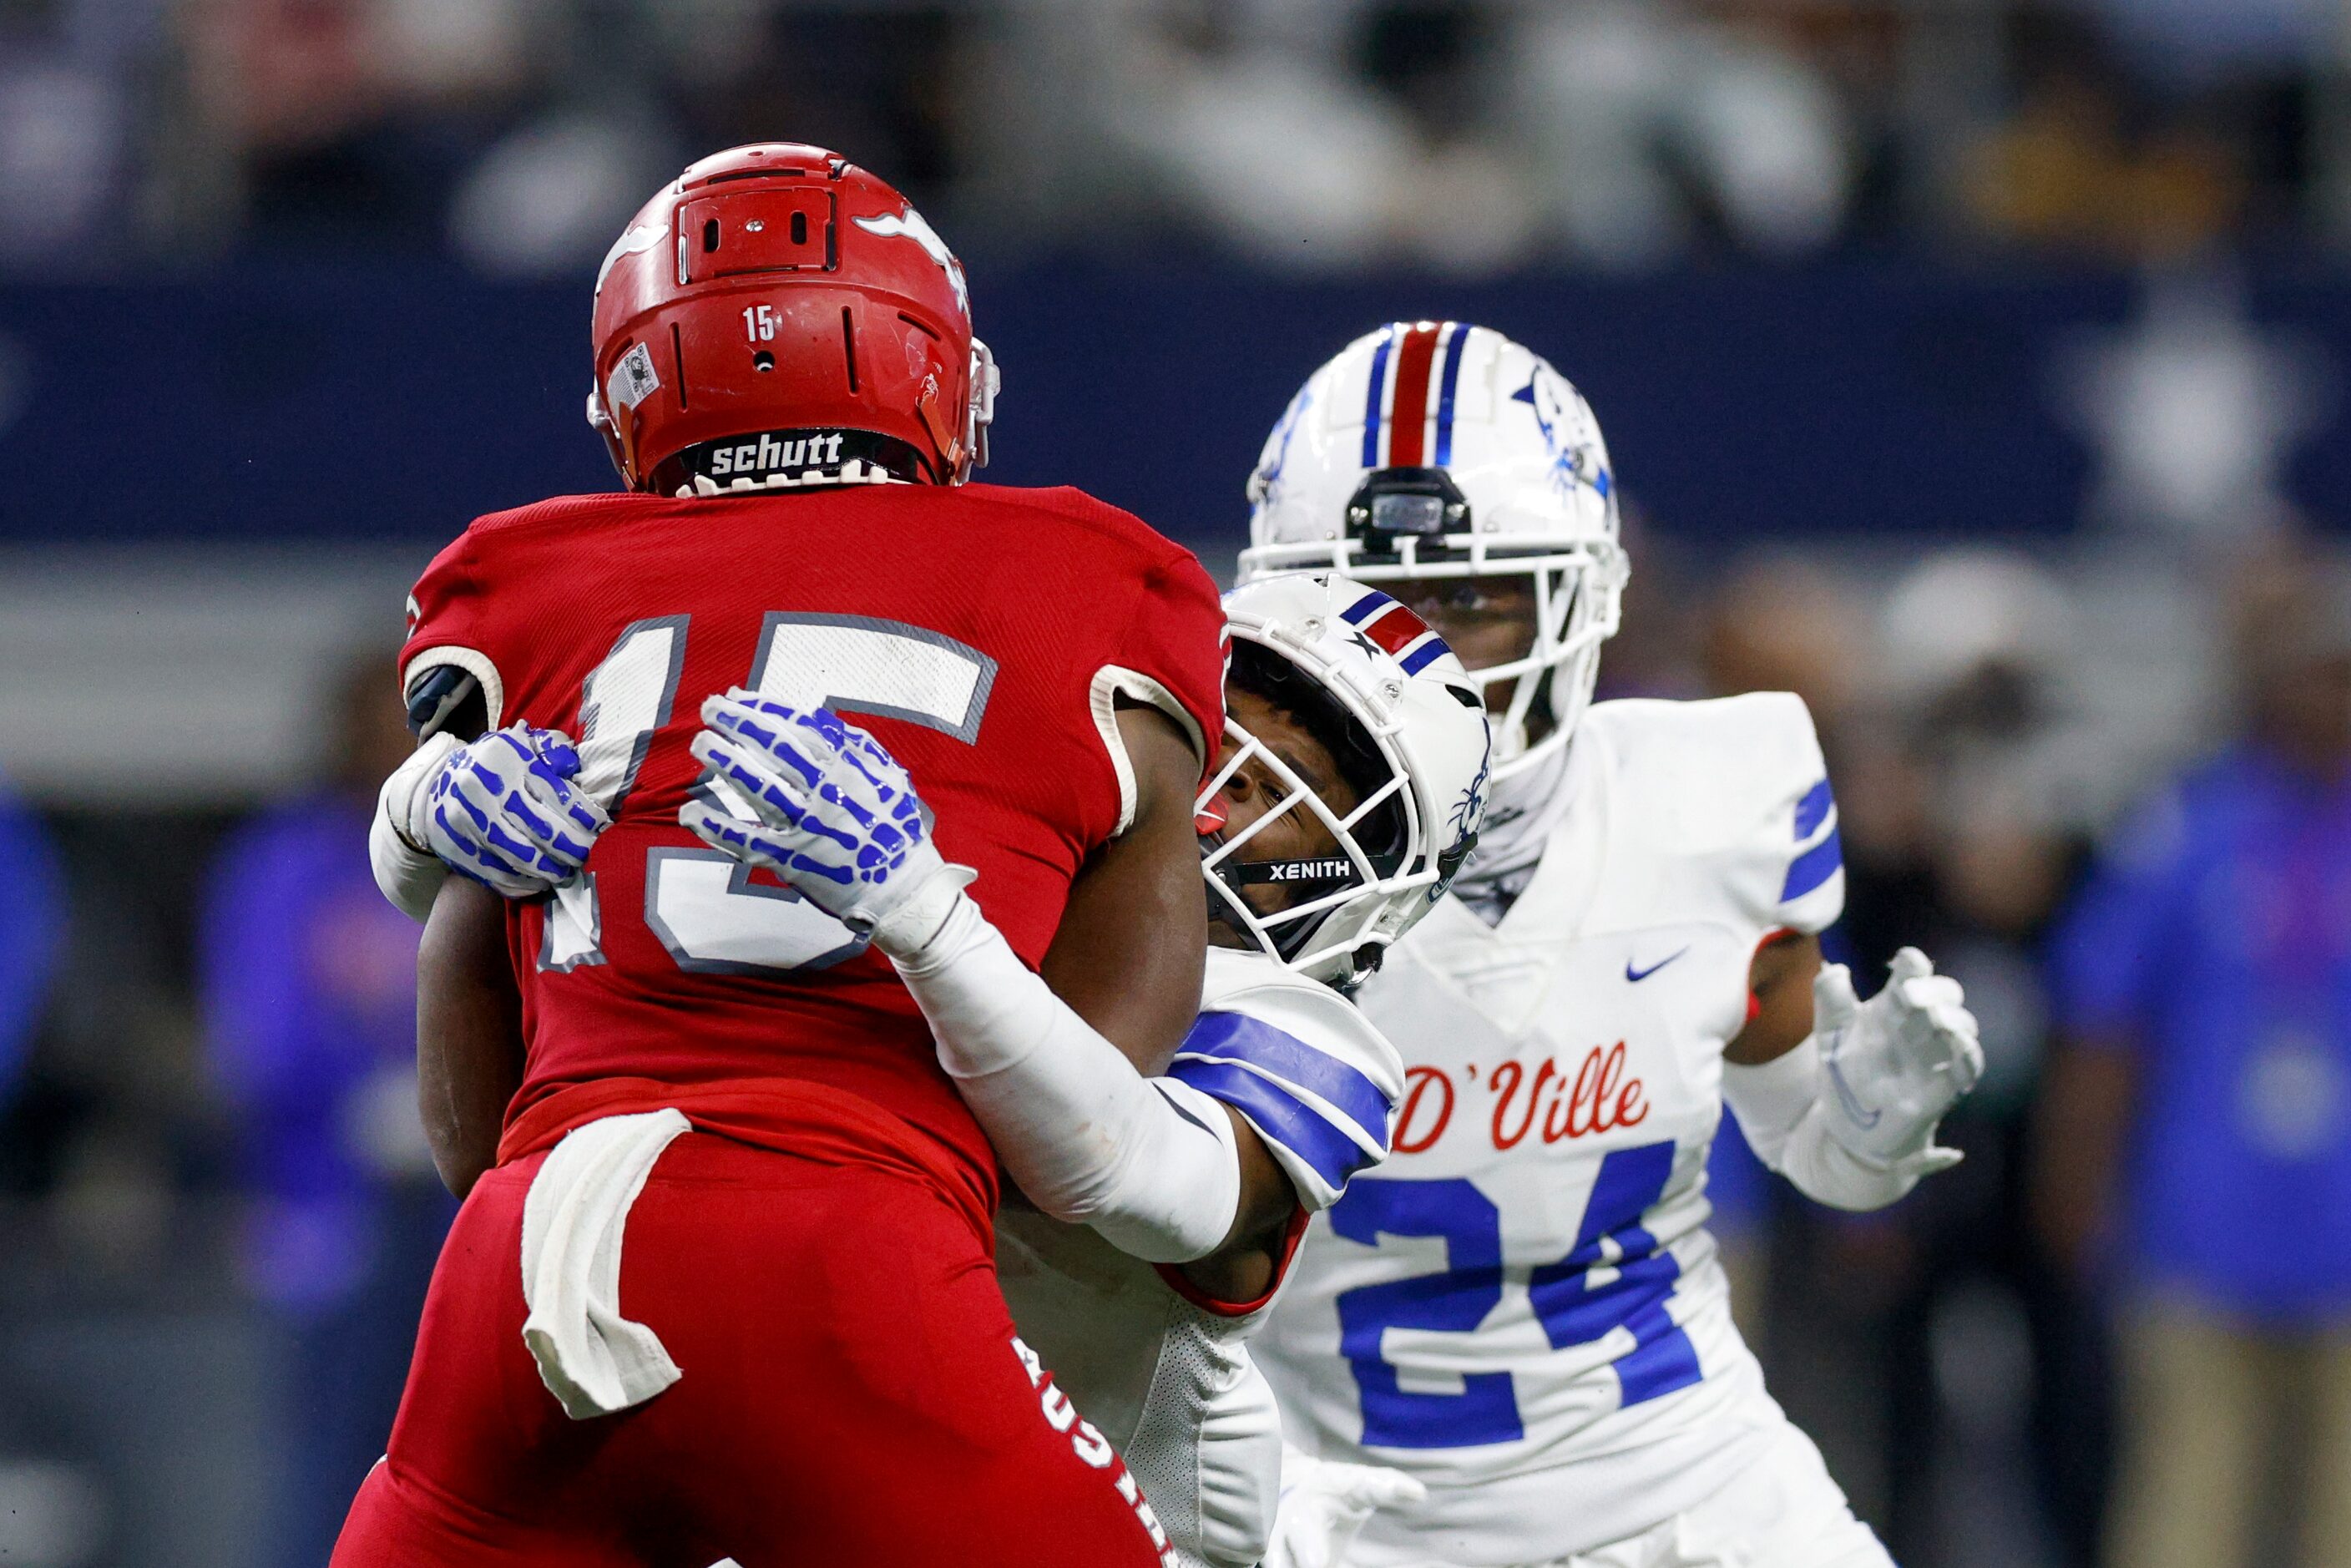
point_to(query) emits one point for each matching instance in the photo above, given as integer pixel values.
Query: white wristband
(406, 870)
(1152, 1163)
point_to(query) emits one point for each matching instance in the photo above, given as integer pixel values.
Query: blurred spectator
(1296, 135)
(349, 119)
(2197, 1136)
(309, 990)
(2077, 164)
(1780, 623)
(1639, 125)
(32, 919)
(1465, 135)
(1459, 135)
(61, 145)
(1966, 780)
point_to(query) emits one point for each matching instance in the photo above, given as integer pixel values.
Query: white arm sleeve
(1151, 1164)
(406, 871)
(1780, 1109)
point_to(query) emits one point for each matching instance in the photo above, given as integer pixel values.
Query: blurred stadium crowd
(1316, 134)
(2106, 781)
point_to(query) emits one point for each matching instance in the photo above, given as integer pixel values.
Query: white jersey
(1157, 1367)
(1523, 1307)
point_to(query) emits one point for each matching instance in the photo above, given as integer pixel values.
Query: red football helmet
(777, 315)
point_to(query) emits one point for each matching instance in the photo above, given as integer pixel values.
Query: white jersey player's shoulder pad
(1738, 783)
(1313, 1076)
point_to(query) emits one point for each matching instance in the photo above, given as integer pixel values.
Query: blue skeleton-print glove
(507, 811)
(832, 813)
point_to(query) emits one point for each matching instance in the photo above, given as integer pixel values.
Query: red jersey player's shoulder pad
(463, 559)
(574, 510)
(452, 621)
(1069, 502)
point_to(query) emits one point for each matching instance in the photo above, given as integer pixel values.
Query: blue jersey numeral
(1571, 1307)
(1574, 1311)
(1454, 1302)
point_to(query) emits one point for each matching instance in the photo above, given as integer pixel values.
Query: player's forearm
(1150, 1163)
(468, 1032)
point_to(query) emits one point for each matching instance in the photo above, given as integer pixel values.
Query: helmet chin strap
(1522, 810)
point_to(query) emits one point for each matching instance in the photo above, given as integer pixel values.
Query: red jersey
(980, 632)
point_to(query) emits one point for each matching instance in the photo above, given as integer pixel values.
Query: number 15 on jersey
(701, 904)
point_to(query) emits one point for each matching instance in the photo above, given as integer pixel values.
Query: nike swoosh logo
(1637, 975)
(1865, 1119)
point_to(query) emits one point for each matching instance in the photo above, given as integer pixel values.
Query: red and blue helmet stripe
(1408, 404)
(1396, 632)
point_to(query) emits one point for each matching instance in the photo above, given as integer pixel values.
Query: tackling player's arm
(469, 1044)
(1154, 1164)
(1128, 960)
(504, 810)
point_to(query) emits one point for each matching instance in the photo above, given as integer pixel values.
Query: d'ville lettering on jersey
(1598, 1099)
(766, 455)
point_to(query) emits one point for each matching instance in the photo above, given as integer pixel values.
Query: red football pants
(852, 1394)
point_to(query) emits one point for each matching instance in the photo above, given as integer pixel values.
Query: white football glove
(1325, 1505)
(503, 810)
(834, 815)
(1895, 1063)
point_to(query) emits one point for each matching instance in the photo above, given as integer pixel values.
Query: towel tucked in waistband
(594, 1360)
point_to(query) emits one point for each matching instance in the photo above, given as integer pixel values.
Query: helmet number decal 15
(700, 904)
(1615, 1276)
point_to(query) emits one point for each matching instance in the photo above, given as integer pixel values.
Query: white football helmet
(1437, 449)
(1405, 726)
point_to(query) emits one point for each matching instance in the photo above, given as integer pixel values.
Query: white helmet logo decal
(909, 224)
(1469, 812)
(1546, 394)
(633, 241)
(1265, 485)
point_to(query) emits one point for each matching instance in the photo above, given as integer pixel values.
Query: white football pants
(1780, 1512)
